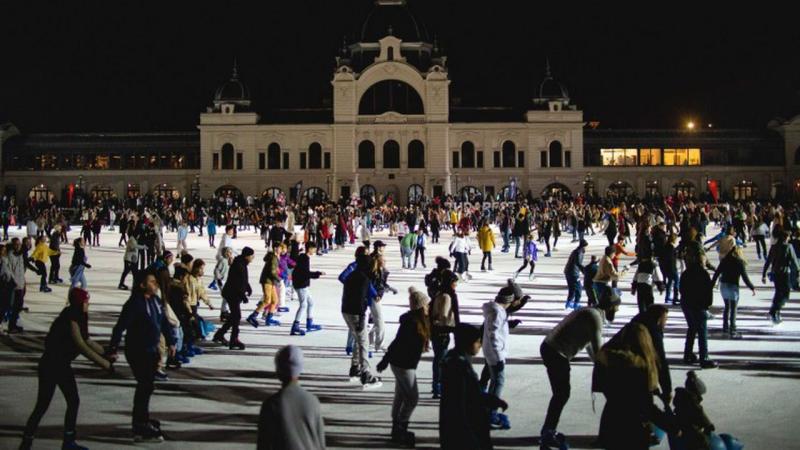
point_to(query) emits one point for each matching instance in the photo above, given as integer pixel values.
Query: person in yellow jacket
(486, 243)
(41, 254)
(453, 219)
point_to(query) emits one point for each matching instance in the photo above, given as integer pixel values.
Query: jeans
(378, 330)
(439, 342)
(78, 277)
(143, 365)
(486, 255)
(357, 325)
(497, 377)
(406, 394)
(405, 254)
(306, 304)
(697, 326)
(178, 338)
(462, 262)
(506, 235)
(673, 283)
(516, 246)
(52, 375)
(729, 315)
(781, 296)
(558, 370)
(574, 286)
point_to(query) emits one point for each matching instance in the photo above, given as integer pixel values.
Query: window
(745, 190)
(116, 162)
(468, 155)
(543, 159)
(681, 156)
(797, 156)
(274, 156)
(520, 159)
(416, 154)
(480, 160)
(391, 155)
(556, 158)
(496, 159)
(650, 157)
(694, 156)
(227, 157)
(214, 164)
(568, 159)
(366, 155)
(509, 154)
(239, 161)
(327, 160)
(390, 95)
(314, 156)
(286, 160)
(619, 156)
(303, 160)
(262, 161)
(456, 160)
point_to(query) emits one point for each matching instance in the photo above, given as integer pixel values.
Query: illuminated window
(681, 156)
(102, 162)
(49, 162)
(619, 156)
(745, 190)
(669, 156)
(650, 157)
(694, 156)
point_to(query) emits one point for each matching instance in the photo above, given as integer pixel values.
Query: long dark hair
(423, 327)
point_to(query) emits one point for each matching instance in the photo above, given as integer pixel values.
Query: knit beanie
(442, 263)
(416, 298)
(289, 362)
(694, 384)
(508, 293)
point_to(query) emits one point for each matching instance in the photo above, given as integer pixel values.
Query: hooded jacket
(237, 286)
(495, 333)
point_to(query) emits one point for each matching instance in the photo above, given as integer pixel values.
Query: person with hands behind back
(413, 338)
(68, 337)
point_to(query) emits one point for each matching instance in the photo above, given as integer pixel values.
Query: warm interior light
(690, 125)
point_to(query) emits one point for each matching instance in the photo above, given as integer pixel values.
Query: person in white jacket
(460, 249)
(495, 344)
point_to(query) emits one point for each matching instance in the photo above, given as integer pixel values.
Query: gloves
(513, 323)
(245, 300)
(382, 365)
(394, 291)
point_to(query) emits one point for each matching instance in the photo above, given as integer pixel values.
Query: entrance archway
(683, 189)
(164, 190)
(619, 190)
(102, 192)
(557, 190)
(40, 193)
(415, 193)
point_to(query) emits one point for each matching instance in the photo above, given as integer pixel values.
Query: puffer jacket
(486, 239)
(495, 333)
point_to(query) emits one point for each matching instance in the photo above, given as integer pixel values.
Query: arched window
(391, 155)
(556, 156)
(102, 192)
(390, 95)
(366, 155)
(415, 193)
(164, 190)
(557, 190)
(416, 154)
(227, 157)
(228, 191)
(619, 190)
(315, 156)
(40, 193)
(315, 195)
(368, 191)
(509, 154)
(468, 193)
(651, 189)
(274, 156)
(272, 193)
(133, 190)
(468, 155)
(683, 189)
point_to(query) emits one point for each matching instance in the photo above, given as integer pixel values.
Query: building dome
(551, 89)
(232, 91)
(392, 17)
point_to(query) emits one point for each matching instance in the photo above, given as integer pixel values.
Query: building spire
(547, 72)
(235, 75)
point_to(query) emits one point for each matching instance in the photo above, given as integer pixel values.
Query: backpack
(433, 281)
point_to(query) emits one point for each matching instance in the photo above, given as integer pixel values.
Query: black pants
(235, 316)
(42, 274)
(419, 253)
(142, 260)
(527, 262)
(558, 372)
(644, 296)
(52, 375)
(761, 245)
(143, 365)
(483, 260)
(17, 305)
(610, 238)
(130, 268)
(55, 266)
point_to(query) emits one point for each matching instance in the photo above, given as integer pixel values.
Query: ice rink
(214, 401)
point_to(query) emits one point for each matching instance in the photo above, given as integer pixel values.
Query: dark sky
(98, 67)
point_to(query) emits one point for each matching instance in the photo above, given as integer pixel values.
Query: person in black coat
(236, 291)
(464, 408)
(357, 289)
(696, 297)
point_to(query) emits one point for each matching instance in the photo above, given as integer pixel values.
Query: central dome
(392, 17)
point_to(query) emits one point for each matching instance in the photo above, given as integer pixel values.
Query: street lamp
(690, 125)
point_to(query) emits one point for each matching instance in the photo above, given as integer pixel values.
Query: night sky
(99, 67)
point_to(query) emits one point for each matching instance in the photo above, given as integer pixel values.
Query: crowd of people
(669, 253)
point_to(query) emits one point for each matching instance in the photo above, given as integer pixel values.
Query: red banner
(713, 187)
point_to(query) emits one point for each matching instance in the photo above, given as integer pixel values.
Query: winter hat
(247, 251)
(78, 296)
(416, 298)
(694, 384)
(289, 362)
(508, 293)
(442, 263)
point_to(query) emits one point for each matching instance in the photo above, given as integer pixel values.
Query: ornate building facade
(391, 129)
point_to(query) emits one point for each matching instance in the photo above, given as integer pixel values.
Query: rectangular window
(102, 161)
(631, 157)
(650, 157)
(496, 159)
(694, 156)
(286, 161)
(520, 159)
(239, 161)
(619, 156)
(215, 162)
(567, 158)
(116, 162)
(164, 164)
(543, 159)
(669, 156)
(480, 160)
(303, 160)
(327, 160)
(49, 161)
(456, 160)
(262, 161)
